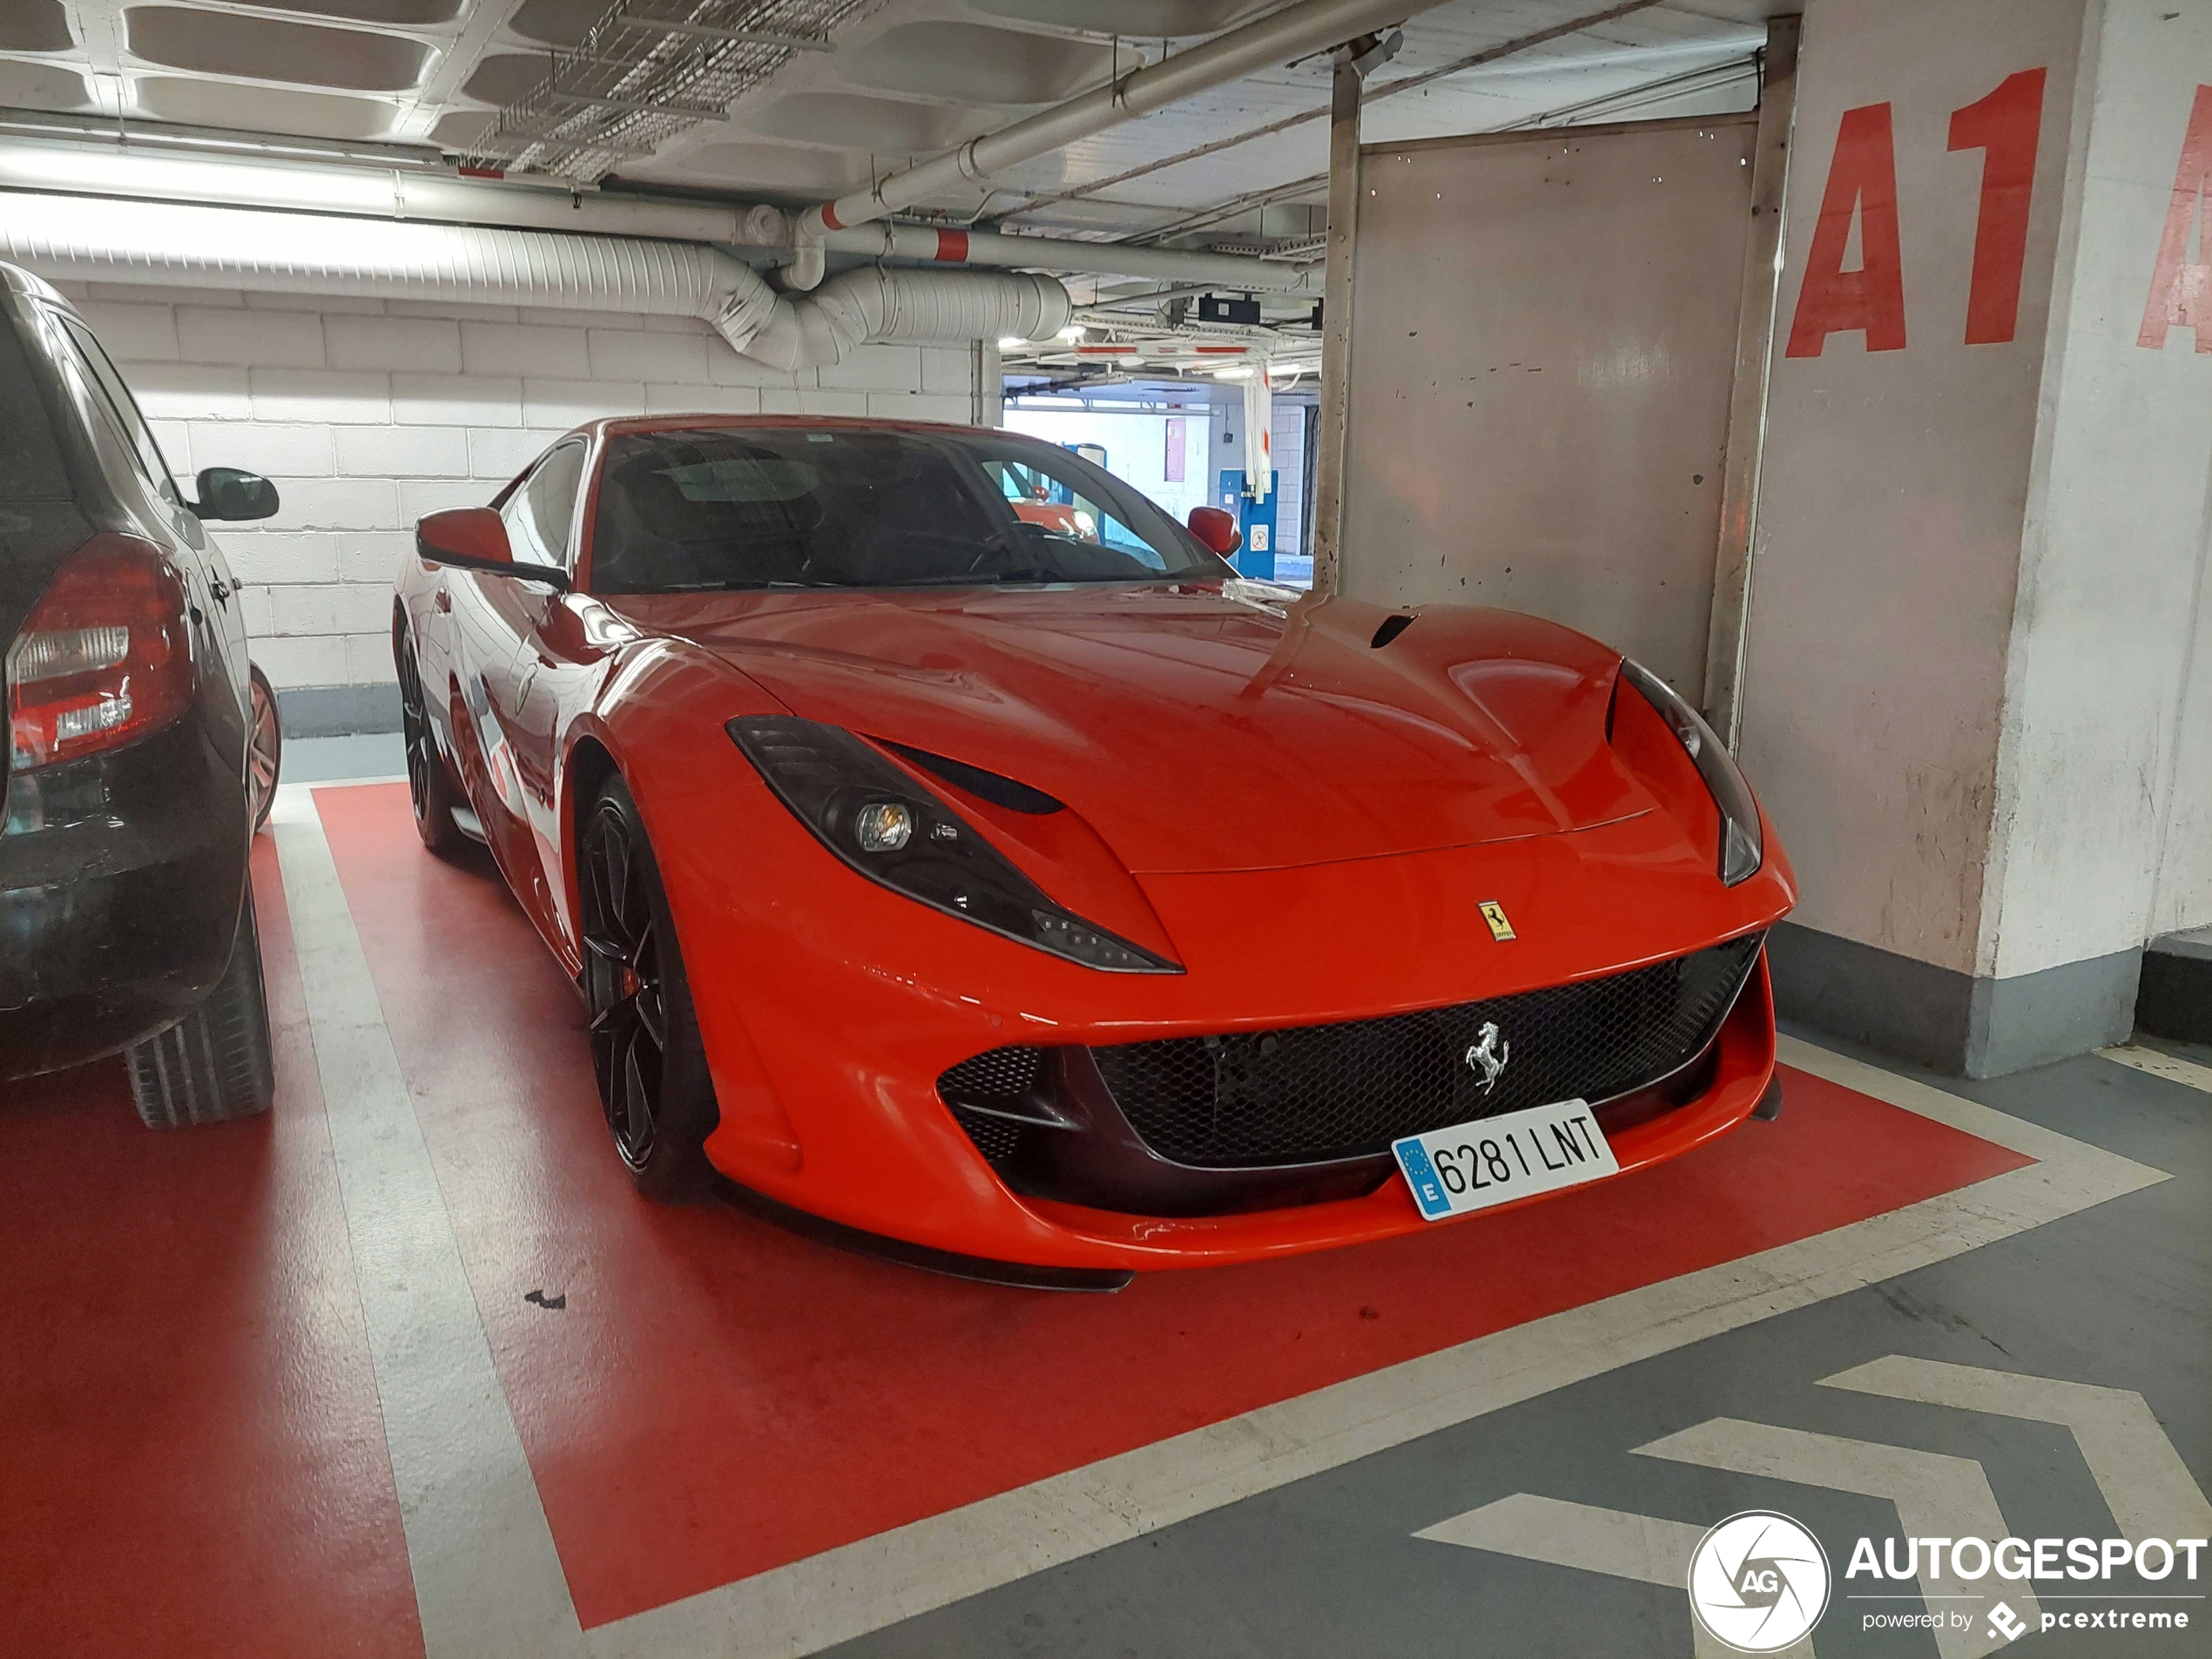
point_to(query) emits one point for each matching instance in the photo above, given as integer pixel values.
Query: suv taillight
(104, 658)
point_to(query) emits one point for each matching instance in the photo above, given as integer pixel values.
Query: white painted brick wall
(367, 415)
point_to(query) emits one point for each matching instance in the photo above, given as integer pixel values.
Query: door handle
(219, 589)
(445, 600)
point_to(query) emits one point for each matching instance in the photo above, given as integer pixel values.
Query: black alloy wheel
(430, 791)
(622, 962)
(645, 1047)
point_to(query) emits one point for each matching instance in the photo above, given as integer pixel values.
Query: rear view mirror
(228, 494)
(1216, 530)
(475, 538)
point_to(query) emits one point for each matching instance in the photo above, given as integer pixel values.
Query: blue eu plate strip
(1420, 1174)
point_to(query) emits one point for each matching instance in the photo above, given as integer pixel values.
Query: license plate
(1495, 1160)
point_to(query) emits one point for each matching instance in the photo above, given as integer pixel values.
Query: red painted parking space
(718, 1398)
(193, 1458)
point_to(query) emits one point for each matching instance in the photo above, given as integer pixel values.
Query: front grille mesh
(1312, 1093)
(996, 1138)
(1000, 1078)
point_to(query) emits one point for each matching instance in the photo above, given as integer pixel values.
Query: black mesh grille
(996, 1138)
(1000, 1078)
(1311, 1093)
(999, 1075)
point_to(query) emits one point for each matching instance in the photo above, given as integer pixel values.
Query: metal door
(1544, 339)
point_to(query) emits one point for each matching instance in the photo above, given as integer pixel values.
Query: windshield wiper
(737, 587)
(983, 579)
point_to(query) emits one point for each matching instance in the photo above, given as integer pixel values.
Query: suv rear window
(30, 462)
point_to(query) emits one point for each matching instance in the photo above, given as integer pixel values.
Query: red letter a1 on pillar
(2179, 289)
(2005, 126)
(1861, 185)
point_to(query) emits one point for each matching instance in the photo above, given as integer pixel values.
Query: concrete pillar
(1977, 700)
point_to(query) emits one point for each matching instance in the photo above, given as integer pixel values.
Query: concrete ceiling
(906, 79)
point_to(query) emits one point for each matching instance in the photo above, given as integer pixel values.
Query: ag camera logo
(1758, 1581)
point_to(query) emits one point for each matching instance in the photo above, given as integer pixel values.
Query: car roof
(16, 279)
(627, 425)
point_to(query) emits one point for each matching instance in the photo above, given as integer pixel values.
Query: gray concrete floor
(2117, 1295)
(316, 761)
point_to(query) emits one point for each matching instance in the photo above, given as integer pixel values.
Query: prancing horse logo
(1487, 1054)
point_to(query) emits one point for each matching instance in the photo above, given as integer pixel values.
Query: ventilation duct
(1282, 37)
(226, 248)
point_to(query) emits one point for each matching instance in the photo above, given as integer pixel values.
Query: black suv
(127, 920)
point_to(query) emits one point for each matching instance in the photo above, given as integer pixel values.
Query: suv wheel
(264, 749)
(214, 1063)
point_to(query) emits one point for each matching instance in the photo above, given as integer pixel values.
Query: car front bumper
(830, 1007)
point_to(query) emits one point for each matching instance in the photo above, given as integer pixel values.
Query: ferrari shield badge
(1495, 913)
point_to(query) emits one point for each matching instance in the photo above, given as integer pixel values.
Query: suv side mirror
(1216, 530)
(475, 538)
(227, 494)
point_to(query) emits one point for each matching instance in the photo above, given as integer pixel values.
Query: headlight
(1741, 847)
(885, 824)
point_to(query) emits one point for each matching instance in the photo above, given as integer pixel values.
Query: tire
(212, 1065)
(646, 1053)
(264, 750)
(430, 785)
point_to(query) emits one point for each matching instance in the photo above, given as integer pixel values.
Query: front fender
(657, 723)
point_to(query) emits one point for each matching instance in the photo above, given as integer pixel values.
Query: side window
(540, 513)
(123, 409)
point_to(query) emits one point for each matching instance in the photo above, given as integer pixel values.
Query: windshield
(725, 508)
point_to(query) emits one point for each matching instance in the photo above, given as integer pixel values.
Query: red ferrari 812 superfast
(1023, 892)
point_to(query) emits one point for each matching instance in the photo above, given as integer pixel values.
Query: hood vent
(1392, 627)
(984, 785)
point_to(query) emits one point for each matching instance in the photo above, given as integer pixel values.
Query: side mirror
(1216, 530)
(227, 494)
(475, 538)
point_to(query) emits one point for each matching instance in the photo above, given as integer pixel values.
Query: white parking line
(2158, 1063)
(488, 1581)
(875, 1582)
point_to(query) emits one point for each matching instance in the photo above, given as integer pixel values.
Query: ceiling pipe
(384, 192)
(229, 247)
(1297, 31)
(1241, 272)
(1375, 94)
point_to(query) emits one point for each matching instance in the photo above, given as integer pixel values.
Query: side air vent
(1392, 627)
(1001, 1097)
(984, 785)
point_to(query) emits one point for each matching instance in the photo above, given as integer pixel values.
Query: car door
(504, 628)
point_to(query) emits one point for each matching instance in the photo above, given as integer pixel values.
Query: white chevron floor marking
(2172, 1068)
(1611, 1542)
(2146, 1485)
(1936, 1497)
